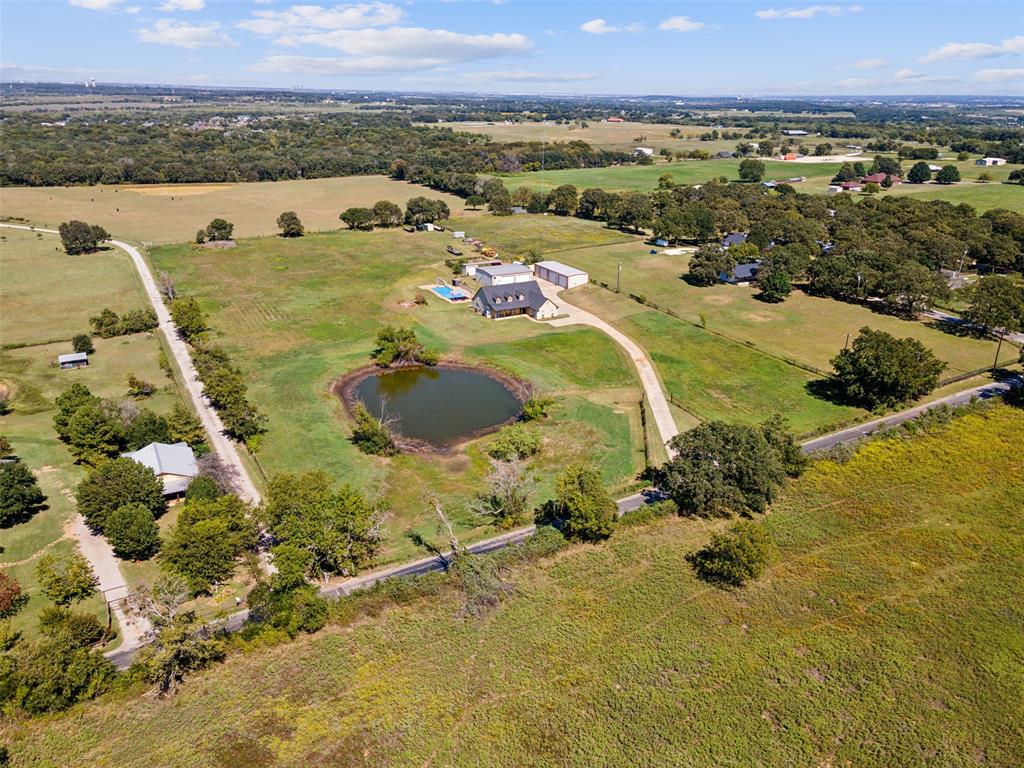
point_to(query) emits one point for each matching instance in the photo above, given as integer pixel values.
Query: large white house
(504, 274)
(560, 274)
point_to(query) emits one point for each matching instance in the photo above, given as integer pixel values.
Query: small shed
(793, 132)
(560, 274)
(458, 234)
(643, 151)
(504, 274)
(425, 227)
(991, 161)
(724, 154)
(73, 360)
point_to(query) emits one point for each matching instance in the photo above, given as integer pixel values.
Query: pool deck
(466, 295)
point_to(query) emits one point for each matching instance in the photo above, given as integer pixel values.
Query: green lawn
(887, 633)
(35, 382)
(48, 295)
(297, 314)
(808, 329)
(713, 377)
(516, 236)
(645, 177)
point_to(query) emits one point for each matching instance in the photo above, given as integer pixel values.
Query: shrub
(399, 346)
(78, 630)
(582, 508)
(65, 579)
(734, 557)
(20, 495)
(132, 532)
(290, 225)
(219, 229)
(370, 435)
(537, 407)
(514, 442)
(11, 596)
(139, 388)
(82, 342)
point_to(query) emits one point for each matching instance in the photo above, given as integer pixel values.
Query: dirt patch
(718, 301)
(345, 389)
(177, 190)
(218, 244)
(759, 317)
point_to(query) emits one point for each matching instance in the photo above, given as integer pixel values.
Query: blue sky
(519, 46)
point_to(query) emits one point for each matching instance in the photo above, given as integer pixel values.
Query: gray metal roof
(500, 298)
(505, 269)
(734, 238)
(559, 268)
(73, 357)
(167, 459)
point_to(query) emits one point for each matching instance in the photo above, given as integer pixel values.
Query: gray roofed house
(734, 238)
(73, 360)
(741, 273)
(724, 154)
(498, 301)
(174, 463)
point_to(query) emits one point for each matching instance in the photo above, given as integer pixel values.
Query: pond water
(441, 406)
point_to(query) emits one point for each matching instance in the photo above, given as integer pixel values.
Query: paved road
(982, 392)
(648, 376)
(945, 317)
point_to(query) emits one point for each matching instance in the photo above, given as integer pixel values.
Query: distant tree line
(149, 149)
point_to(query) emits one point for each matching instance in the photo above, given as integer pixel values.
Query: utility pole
(999, 346)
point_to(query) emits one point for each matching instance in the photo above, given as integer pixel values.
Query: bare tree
(507, 499)
(161, 602)
(224, 475)
(167, 286)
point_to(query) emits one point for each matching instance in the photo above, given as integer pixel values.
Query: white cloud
(907, 75)
(1010, 45)
(96, 5)
(598, 27)
(602, 27)
(185, 35)
(183, 5)
(998, 75)
(873, 63)
(395, 49)
(808, 12)
(681, 24)
(308, 18)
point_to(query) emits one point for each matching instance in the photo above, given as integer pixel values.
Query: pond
(440, 405)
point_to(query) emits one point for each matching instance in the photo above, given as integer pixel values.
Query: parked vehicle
(454, 251)
(409, 229)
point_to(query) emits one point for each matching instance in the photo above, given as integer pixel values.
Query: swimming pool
(449, 293)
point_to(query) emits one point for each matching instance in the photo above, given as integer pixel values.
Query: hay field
(171, 213)
(887, 633)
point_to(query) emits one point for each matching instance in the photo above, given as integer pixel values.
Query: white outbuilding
(991, 161)
(504, 274)
(560, 274)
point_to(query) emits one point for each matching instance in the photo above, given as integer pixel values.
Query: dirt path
(573, 315)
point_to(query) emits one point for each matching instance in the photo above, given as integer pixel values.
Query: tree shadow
(826, 389)
(961, 328)
(420, 541)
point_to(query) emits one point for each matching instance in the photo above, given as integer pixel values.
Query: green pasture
(886, 632)
(298, 314)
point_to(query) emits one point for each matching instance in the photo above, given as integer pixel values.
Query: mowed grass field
(49, 295)
(622, 137)
(297, 314)
(805, 328)
(644, 178)
(888, 632)
(171, 213)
